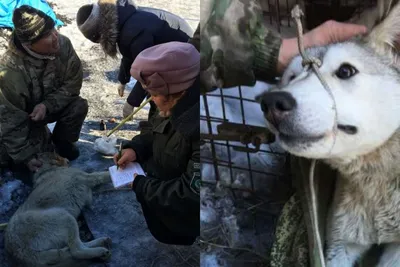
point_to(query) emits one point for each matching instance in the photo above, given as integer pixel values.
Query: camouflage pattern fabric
(237, 48)
(31, 24)
(290, 246)
(26, 81)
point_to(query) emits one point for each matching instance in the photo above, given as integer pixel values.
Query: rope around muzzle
(315, 64)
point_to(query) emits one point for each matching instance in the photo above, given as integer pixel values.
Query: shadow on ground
(115, 214)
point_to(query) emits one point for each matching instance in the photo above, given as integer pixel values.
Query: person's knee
(81, 107)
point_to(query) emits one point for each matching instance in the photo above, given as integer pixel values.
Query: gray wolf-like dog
(364, 144)
(44, 231)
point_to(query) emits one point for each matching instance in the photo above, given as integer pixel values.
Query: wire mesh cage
(244, 184)
(237, 148)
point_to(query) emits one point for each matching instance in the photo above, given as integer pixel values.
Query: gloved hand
(127, 110)
(121, 89)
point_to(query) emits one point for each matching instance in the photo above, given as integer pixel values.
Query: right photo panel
(299, 143)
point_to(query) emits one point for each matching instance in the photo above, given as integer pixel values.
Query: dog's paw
(106, 256)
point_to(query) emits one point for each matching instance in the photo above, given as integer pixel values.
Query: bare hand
(121, 89)
(333, 32)
(127, 155)
(38, 113)
(34, 165)
(329, 32)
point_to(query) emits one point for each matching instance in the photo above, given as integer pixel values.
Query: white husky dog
(362, 142)
(44, 231)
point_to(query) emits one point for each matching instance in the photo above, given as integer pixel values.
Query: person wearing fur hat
(122, 24)
(170, 153)
(40, 82)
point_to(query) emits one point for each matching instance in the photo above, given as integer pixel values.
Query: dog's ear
(384, 38)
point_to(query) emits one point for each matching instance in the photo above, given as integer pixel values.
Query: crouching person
(170, 153)
(40, 82)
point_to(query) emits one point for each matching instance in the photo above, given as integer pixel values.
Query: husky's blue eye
(346, 71)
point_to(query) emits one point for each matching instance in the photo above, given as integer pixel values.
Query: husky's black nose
(276, 105)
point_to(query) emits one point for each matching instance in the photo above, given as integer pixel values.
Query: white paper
(122, 177)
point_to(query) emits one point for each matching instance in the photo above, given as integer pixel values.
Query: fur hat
(88, 21)
(167, 68)
(98, 23)
(31, 24)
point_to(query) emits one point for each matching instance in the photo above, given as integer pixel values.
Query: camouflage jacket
(237, 48)
(26, 81)
(247, 58)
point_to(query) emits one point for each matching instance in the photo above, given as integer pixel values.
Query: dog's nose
(277, 105)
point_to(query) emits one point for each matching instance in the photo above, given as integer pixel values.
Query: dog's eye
(291, 78)
(346, 71)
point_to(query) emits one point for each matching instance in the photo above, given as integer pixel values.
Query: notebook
(123, 177)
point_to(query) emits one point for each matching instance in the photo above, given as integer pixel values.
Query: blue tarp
(7, 8)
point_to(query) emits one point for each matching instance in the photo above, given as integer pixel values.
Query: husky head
(49, 160)
(364, 78)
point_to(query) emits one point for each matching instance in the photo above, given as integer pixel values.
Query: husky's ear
(384, 37)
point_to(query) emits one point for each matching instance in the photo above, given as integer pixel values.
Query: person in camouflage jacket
(237, 48)
(40, 82)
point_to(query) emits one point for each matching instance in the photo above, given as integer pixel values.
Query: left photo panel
(99, 133)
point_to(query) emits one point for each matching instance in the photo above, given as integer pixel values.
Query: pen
(119, 154)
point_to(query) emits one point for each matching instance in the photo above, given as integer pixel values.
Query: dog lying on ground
(44, 231)
(364, 144)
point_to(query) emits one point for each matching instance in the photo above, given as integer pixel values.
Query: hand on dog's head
(363, 77)
(53, 159)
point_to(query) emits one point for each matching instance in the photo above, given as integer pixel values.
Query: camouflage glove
(236, 46)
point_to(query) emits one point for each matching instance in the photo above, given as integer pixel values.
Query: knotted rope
(315, 64)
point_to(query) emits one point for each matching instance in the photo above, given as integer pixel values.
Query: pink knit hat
(167, 68)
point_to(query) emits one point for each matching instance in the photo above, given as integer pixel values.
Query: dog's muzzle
(277, 106)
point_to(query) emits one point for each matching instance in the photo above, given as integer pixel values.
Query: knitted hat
(167, 68)
(31, 24)
(88, 21)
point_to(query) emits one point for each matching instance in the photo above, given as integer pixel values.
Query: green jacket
(237, 48)
(26, 81)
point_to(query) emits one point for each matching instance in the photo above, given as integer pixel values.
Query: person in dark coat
(120, 23)
(170, 153)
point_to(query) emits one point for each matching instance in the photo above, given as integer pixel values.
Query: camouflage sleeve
(71, 85)
(16, 134)
(237, 48)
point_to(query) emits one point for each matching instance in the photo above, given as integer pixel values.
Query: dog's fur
(366, 204)
(44, 231)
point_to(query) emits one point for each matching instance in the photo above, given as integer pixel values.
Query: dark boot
(67, 150)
